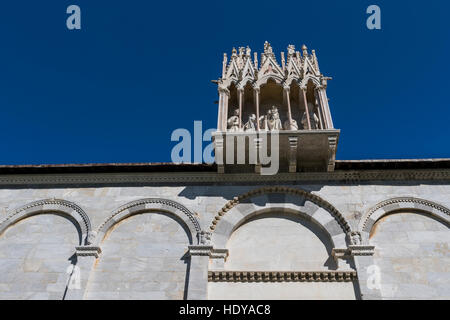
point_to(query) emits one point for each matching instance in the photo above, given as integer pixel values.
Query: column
(326, 107)
(368, 273)
(198, 272)
(79, 278)
(256, 94)
(220, 113)
(320, 110)
(303, 91)
(288, 102)
(225, 94)
(241, 101)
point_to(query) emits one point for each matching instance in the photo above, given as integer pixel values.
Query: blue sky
(137, 70)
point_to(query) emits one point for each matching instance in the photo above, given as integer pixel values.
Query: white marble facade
(163, 248)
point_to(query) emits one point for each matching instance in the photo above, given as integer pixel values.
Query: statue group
(270, 122)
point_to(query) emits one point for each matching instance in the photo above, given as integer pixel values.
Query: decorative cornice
(285, 190)
(348, 177)
(282, 276)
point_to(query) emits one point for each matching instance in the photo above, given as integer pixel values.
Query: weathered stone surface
(144, 256)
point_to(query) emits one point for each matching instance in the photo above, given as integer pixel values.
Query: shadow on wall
(224, 191)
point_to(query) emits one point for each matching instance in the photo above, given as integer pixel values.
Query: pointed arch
(65, 208)
(287, 199)
(315, 81)
(152, 205)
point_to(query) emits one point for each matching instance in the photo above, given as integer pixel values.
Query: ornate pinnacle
(305, 51)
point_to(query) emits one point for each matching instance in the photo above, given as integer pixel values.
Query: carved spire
(305, 51)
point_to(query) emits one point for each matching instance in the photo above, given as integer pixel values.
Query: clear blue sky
(116, 89)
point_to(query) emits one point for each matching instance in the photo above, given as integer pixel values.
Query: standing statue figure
(312, 117)
(251, 123)
(234, 123)
(290, 126)
(274, 119)
(263, 123)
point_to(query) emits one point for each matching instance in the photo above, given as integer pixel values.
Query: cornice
(281, 276)
(349, 177)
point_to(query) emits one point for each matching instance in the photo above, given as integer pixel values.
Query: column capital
(85, 251)
(223, 90)
(200, 250)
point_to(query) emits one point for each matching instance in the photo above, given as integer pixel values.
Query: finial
(248, 51)
(241, 51)
(305, 51)
(267, 47)
(291, 50)
(233, 52)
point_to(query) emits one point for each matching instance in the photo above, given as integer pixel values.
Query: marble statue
(234, 123)
(290, 126)
(313, 118)
(251, 123)
(274, 120)
(263, 123)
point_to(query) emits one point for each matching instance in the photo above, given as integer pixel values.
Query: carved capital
(87, 251)
(200, 250)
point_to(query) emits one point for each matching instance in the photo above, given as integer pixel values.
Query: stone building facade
(319, 228)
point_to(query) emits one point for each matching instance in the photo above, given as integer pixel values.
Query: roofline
(341, 165)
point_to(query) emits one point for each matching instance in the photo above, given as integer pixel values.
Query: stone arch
(151, 205)
(314, 80)
(263, 80)
(66, 208)
(286, 199)
(247, 80)
(292, 79)
(400, 204)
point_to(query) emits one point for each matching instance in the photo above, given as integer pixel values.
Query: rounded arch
(401, 204)
(284, 199)
(151, 205)
(66, 208)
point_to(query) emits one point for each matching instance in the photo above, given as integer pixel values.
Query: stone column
(77, 283)
(256, 94)
(220, 113)
(303, 90)
(198, 272)
(320, 111)
(368, 272)
(326, 107)
(288, 102)
(241, 100)
(223, 104)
